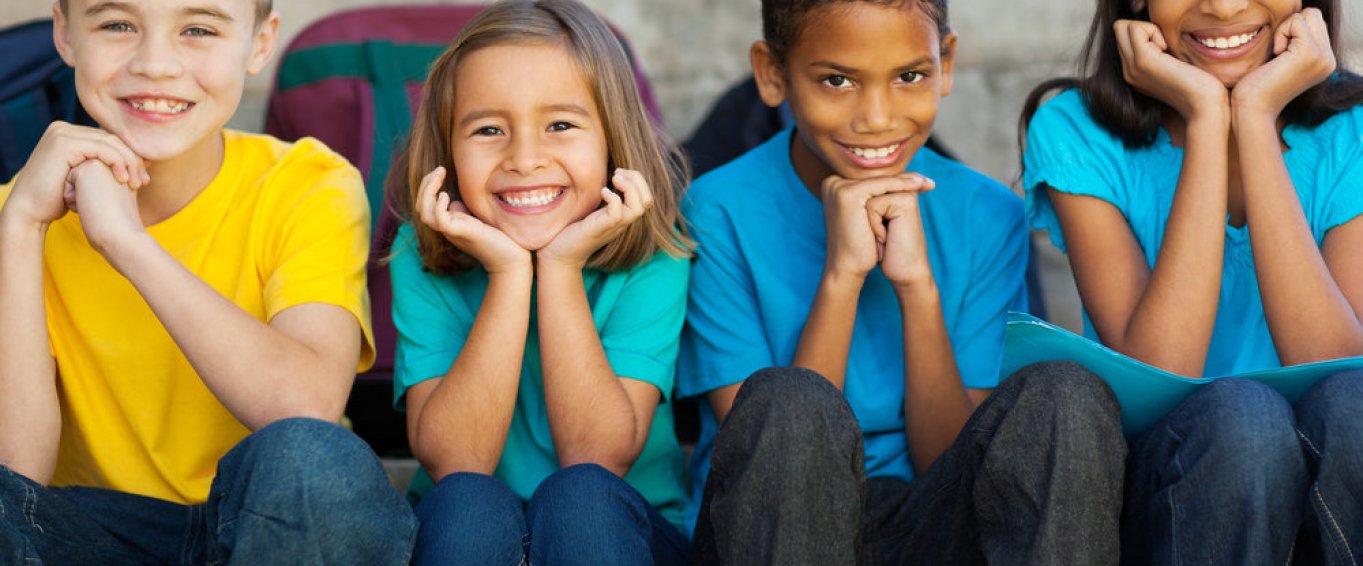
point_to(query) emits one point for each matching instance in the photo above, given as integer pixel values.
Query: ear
(263, 46)
(948, 63)
(61, 35)
(769, 74)
(1137, 6)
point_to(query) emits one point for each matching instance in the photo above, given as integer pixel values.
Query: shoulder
(297, 168)
(747, 178)
(660, 269)
(1340, 132)
(969, 189)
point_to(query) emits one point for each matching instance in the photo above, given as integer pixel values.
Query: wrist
(842, 280)
(125, 250)
(916, 291)
(15, 223)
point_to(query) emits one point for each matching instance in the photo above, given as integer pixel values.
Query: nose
(875, 111)
(155, 58)
(1224, 8)
(525, 154)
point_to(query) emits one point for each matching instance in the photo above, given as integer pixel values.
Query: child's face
(163, 75)
(864, 82)
(1240, 32)
(529, 145)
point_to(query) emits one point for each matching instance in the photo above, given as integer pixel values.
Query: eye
(561, 126)
(837, 81)
(487, 131)
(197, 31)
(118, 27)
(912, 77)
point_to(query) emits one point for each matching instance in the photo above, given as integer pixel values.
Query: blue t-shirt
(761, 254)
(1069, 151)
(638, 314)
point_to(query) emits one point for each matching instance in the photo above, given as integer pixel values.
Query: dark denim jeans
(582, 514)
(299, 491)
(1233, 473)
(1034, 477)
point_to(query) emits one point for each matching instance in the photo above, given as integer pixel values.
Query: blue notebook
(1146, 393)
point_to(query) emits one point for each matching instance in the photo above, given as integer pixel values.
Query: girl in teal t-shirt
(1204, 179)
(539, 292)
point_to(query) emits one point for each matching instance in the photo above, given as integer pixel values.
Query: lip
(1191, 40)
(529, 210)
(889, 160)
(156, 117)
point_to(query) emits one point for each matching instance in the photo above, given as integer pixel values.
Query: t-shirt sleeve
(1069, 152)
(1345, 201)
(724, 340)
(432, 321)
(320, 245)
(640, 334)
(997, 285)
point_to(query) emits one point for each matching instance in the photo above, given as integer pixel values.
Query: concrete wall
(693, 49)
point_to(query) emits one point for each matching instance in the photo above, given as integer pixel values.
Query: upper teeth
(1228, 42)
(160, 105)
(874, 152)
(539, 197)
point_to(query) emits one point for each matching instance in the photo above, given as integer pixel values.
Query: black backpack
(36, 87)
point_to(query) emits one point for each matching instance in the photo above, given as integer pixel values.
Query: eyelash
(908, 77)
(125, 27)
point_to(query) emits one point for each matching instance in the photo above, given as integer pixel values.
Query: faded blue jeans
(582, 514)
(1237, 475)
(299, 491)
(1034, 477)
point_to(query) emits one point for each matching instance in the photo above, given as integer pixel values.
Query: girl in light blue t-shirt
(1206, 180)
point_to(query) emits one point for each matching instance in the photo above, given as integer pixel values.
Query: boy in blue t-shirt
(827, 248)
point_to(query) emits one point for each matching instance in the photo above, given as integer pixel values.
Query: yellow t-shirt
(281, 225)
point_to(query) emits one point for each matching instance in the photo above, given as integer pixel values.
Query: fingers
(86, 144)
(426, 198)
(635, 192)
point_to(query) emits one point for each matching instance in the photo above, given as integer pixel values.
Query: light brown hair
(633, 141)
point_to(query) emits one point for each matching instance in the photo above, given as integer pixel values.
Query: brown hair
(784, 20)
(633, 141)
(263, 9)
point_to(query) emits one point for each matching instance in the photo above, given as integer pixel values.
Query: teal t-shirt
(1070, 152)
(638, 314)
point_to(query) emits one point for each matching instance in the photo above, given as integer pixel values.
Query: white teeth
(531, 198)
(874, 153)
(160, 105)
(1230, 42)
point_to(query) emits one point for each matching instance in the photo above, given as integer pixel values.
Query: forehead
(520, 74)
(852, 30)
(230, 9)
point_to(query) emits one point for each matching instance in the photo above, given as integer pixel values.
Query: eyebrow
(483, 114)
(915, 64)
(114, 6)
(102, 7)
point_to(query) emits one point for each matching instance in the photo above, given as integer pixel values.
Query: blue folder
(1146, 393)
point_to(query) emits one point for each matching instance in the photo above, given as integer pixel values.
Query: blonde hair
(633, 141)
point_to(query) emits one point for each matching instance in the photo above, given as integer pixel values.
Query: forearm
(462, 426)
(827, 336)
(30, 416)
(591, 416)
(1171, 324)
(935, 402)
(1308, 315)
(259, 373)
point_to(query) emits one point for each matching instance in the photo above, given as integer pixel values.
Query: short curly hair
(263, 9)
(784, 20)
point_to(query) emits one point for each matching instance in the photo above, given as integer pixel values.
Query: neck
(176, 181)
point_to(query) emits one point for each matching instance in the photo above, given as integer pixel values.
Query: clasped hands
(876, 221)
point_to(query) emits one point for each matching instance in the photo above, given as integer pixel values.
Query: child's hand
(496, 251)
(1302, 59)
(41, 190)
(850, 224)
(900, 240)
(1149, 68)
(107, 206)
(579, 240)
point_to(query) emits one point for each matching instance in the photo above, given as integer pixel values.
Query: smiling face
(864, 82)
(528, 143)
(163, 75)
(1225, 38)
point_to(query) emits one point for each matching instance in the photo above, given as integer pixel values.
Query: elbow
(617, 459)
(441, 454)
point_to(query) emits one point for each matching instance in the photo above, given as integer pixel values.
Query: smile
(1227, 42)
(531, 198)
(874, 152)
(159, 105)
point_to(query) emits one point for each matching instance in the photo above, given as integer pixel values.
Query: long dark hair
(1135, 118)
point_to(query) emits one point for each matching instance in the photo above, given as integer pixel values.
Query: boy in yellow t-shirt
(182, 311)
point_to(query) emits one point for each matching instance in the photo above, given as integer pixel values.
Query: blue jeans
(299, 491)
(582, 514)
(1235, 472)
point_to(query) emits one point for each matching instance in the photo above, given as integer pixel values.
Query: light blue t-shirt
(761, 254)
(638, 314)
(1069, 151)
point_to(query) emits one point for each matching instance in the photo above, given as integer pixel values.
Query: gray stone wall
(693, 49)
